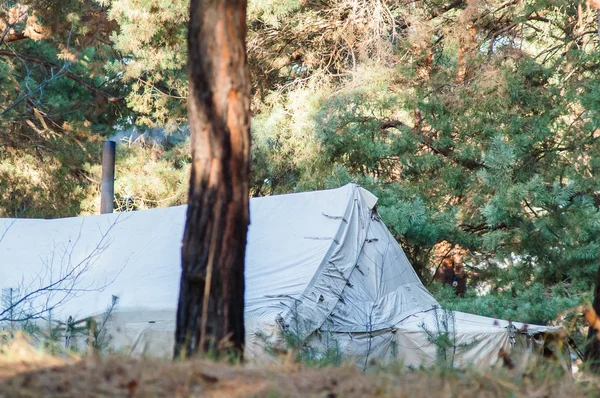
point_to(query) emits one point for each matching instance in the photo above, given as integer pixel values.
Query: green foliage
(152, 40)
(147, 176)
(40, 185)
(97, 329)
(533, 304)
(308, 355)
(476, 126)
(58, 102)
(17, 317)
(51, 337)
(283, 148)
(443, 337)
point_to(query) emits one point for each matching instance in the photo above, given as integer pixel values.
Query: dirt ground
(27, 372)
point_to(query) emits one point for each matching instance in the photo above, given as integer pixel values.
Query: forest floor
(27, 372)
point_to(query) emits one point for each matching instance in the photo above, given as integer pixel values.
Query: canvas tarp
(317, 264)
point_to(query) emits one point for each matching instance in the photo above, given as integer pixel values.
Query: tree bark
(592, 348)
(210, 315)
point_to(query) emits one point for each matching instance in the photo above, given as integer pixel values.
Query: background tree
(68, 82)
(475, 122)
(592, 348)
(58, 102)
(210, 314)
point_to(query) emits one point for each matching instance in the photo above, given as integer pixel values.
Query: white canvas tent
(319, 264)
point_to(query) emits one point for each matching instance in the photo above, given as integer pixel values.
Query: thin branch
(39, 87)
(447, 152)
(12, 37)
(53, 67)
(53, 292)
(6, 230)
(7, 36)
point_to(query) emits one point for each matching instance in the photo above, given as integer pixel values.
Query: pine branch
(16, 36)
(436, 12)
(67, 74)
(447, 152)
(8, 36)
(482, 228)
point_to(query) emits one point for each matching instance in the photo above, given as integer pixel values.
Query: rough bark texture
(210, 315)
(592, 348)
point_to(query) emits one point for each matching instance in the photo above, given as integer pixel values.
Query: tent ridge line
(335, 239)
(366, 226)
(351, 206)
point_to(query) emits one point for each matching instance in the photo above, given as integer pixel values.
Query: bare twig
(59, 280)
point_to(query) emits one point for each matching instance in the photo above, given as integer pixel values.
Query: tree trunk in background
(210, 314)
(592, 348)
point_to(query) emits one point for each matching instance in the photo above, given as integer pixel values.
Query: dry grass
(27, 372)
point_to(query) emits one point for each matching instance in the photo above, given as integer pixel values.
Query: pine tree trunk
(592, 349)
(210, 314)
